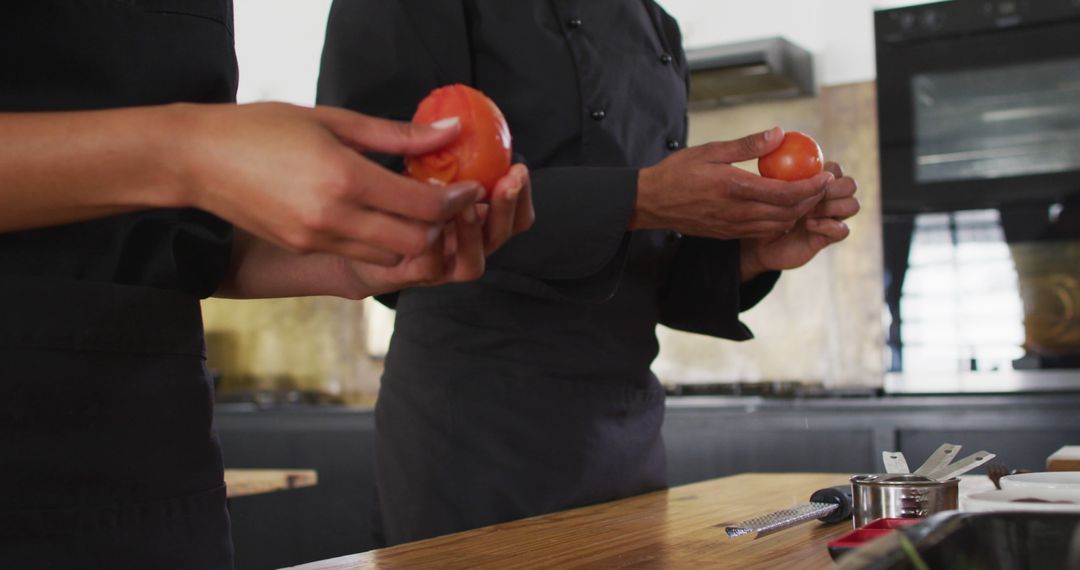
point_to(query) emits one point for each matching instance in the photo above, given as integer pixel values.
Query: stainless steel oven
(979, 118)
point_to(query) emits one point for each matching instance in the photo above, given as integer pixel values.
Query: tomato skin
(480, 153)
(798, 157)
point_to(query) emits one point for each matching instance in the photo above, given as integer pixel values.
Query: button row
(575, 23)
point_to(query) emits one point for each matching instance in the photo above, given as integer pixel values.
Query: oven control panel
(959, 17)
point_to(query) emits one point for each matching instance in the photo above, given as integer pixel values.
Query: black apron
(107, 454)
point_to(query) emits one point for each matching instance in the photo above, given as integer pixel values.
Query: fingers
(389, 137)
(431, 267)
(843, 187)
(747, 186)
(841, 209)
(526, 215)
(833, 230)
(756, 229)
(363, 252)
(746, 148)
(835, 169)
(382, 231)
(457, 255)
(501, 219)
(369, 185)
(840, 201)
(468, 252)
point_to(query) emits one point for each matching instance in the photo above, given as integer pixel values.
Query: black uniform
(530, 391)
(107, 456)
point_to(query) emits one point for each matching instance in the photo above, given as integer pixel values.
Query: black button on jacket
(530, 390)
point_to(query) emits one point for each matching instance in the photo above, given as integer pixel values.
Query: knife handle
(839, 495)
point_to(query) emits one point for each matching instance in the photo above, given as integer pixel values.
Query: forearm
(58, 168)
(261, 270)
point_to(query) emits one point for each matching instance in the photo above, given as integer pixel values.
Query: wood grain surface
(244, 482)
(679, 528)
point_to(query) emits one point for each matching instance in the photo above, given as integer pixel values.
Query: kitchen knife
(829, 505)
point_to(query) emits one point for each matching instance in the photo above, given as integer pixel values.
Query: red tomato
(798, 157)
(481, 153)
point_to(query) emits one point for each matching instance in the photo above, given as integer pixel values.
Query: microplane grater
(780, 520)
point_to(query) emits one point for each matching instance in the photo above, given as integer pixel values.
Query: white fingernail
(469, 214)
(447, 123)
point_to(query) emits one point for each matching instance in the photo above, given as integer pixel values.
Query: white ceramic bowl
(1045, 500)
(1065, 480)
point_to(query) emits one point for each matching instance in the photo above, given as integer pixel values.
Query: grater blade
(780, 520)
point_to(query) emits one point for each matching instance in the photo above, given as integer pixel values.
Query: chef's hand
(820, 228)
(459, 251)
(510, 210)
(697, 192)
(294, 176)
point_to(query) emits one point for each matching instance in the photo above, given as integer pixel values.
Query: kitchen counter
(682, 527)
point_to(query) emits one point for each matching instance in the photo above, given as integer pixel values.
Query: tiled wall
(821, 324)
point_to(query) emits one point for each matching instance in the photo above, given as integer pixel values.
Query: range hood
(755, 70)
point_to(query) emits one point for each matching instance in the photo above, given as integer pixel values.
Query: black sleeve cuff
(753, 291)
(704, 295)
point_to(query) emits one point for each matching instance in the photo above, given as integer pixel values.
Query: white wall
(278, 43)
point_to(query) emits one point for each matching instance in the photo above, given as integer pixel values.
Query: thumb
(366, 133)
(747, 148)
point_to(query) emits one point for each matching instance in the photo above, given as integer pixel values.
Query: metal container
(902, 496)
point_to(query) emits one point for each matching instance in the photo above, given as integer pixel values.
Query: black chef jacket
(106, 447)
(530, 390)
(87, 55)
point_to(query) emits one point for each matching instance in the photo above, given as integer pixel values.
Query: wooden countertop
(244, 482)
(679, 528)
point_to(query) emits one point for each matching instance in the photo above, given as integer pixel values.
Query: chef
(529, 391)
(117, 214)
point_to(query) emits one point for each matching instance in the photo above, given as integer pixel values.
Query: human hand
(510, 210)
(295, 177)
(460, 250)
(822, 227)
(698, 192)
(457, 255)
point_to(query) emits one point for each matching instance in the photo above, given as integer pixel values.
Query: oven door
(980, 120)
